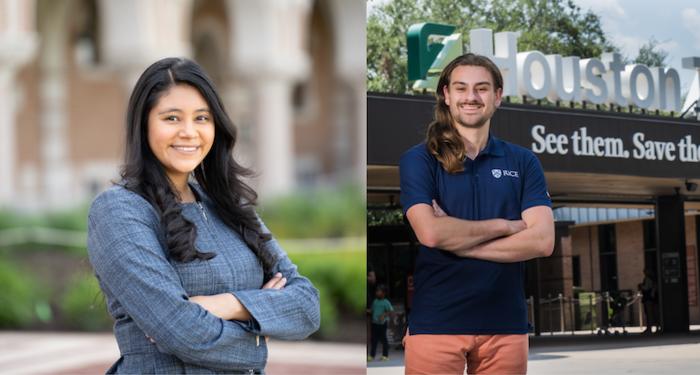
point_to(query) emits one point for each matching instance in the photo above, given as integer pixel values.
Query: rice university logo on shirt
(498, 173)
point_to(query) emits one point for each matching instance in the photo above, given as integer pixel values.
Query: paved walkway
(599, 355)
(90, 353)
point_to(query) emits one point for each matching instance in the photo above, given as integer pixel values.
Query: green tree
(549, 26)
(651, 55)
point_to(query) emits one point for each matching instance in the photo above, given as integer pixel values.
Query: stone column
(267, 54)
(273, 134)
(7, 134)
(54, 140)
(136, 33)
(351, 67)
(18, 44)
(360, 167)
(56, 172)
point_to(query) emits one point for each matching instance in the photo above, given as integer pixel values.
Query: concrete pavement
(87, 353)
(93, 353)
(600, 355)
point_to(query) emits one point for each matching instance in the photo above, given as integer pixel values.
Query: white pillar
(273, 132)
(239, 104)
(267, 52)
(18, 44)
(58, 181)
(351, 67)
(360, 91)
(343, 119)
(137, 33)
(7, 135)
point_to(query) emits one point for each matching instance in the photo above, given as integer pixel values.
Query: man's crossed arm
(496, 240)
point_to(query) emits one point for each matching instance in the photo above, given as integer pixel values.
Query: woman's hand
(278, 281)
(226, 306)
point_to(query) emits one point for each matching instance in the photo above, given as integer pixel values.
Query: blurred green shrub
(70, 219)
(384, 216)
(317, 213)
(58, 230)
(20, 297)
(339, 276)
(329, 311)
(12, 219)
(82, 305)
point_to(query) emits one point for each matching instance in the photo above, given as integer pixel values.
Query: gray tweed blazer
(157, 328)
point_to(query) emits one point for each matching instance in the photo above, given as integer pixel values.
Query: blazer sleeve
(128, 259)
(290, 313)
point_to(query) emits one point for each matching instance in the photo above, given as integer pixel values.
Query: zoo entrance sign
(604, 80)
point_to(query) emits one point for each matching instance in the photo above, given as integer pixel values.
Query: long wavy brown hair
(442, 138)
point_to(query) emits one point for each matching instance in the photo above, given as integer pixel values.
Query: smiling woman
(191, 275)
(180, 134)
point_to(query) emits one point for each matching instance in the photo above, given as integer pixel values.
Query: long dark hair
(443, 139)
(218, 175)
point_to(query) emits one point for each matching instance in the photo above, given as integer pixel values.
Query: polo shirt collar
(493, 147)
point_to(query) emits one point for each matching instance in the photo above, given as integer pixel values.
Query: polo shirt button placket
(475, 183)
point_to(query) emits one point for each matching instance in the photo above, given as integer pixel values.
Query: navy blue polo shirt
(456, 295)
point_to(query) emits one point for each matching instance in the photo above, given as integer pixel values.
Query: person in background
(371, 288)
(371, 285)
(649, 300)
(381, 311)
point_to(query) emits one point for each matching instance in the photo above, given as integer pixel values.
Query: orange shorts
(480, 354)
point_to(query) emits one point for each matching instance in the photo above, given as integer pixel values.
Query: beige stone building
(291, 73)
(612, 256)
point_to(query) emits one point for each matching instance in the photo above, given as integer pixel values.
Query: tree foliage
(549, 26)
(651, 55)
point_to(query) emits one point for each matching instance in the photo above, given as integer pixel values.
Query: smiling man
(480, 208)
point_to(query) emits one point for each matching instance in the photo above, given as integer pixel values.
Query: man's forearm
(454, 234)
(531, 243)
(435, 229)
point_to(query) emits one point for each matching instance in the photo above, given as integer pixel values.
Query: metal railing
(588, 312)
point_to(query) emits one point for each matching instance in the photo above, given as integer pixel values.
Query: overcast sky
(631, 23)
